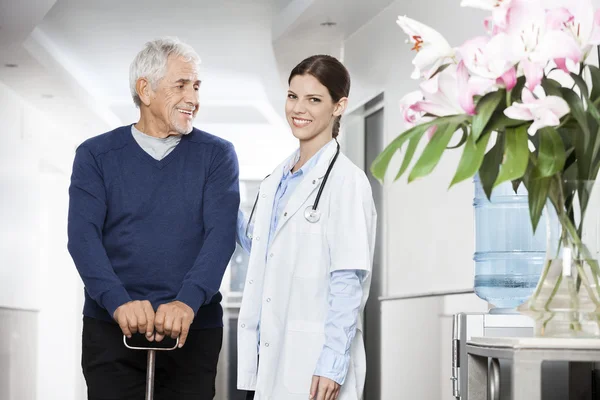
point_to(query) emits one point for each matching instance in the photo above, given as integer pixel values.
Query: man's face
(175, 100)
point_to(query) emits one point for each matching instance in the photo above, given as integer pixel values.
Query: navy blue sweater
(142, 229)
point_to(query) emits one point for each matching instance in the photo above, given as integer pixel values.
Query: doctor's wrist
(333, 365)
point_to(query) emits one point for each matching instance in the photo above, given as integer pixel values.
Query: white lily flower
(578, 19)
(431, 47)
(499, 9)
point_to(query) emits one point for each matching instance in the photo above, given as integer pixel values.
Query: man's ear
(144, 91)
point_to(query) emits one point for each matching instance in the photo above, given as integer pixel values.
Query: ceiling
(70, 58)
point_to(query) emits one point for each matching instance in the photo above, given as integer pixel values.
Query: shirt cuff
(191, 295)
(333, 365)
(114, 299)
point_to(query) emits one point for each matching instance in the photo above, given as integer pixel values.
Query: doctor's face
(175, 101)
(309, 108)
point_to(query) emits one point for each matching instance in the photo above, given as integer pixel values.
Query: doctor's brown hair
(331, 73)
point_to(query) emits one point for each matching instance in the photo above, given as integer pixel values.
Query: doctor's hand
(324, 389)
(136, 316)
(174, 320)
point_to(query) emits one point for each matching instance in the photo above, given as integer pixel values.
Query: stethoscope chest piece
(312, 215)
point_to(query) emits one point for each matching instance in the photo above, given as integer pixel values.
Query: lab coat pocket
(302, 351)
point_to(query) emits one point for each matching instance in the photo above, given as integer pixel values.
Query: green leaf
(433, 151)
(537, 192)
(585, 95)
(410, 152)
(566, 132)
(551, 152)
(581, 85)
(463, 139)
(551, 87)
(381, 163)
(491, 165)
(499, 121)
(582, 151)
(471, 158)
(515, 184)
(595, 75)
(515, 93)
(440, 69)
(592, 156)
(576, 108)
(484, 110)
(516, 155)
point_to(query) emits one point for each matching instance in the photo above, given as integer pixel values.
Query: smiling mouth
(301, 122)
(186, 112)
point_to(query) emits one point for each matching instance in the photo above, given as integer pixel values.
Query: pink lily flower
(543, 111)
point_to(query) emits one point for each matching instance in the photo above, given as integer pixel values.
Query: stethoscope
(311, 213)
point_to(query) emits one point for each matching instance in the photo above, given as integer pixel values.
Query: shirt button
(264, 195)
(285, 214)
(243, 325)
(271, 255)
(269, 300)
(251, 281)
(314, 182)
(258, 238)
(266, 344)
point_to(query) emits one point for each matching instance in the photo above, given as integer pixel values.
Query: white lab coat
(288, 287)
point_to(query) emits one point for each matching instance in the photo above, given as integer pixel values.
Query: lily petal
(431, 47)
(509, 78)
(556, 45)
(595, 36)
(557, 105)
(534, 73)
(517, 111)
(558, 17)
(465, 97)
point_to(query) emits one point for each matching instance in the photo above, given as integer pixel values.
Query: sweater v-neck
(160, 164)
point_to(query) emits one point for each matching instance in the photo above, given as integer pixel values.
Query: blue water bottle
(509, 257)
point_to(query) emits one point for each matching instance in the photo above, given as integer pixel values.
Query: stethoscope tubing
(317, 199)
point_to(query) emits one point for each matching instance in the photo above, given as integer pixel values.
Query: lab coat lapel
(309, 184)
(268, 189)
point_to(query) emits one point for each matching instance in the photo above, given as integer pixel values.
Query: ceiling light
(11, 65)
(47, 96)
(328, 23)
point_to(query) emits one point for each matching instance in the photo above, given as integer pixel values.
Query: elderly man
(152, 221)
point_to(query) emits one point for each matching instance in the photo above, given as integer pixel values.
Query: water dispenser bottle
(508, 257)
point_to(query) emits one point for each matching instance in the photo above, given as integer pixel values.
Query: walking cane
(139, 342)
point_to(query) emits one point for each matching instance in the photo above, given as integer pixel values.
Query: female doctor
(311, 237)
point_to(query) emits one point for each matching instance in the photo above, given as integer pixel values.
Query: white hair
(151, 62)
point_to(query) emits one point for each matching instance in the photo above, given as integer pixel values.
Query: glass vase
(566, 300)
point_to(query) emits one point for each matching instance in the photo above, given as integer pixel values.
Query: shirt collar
(287, 168)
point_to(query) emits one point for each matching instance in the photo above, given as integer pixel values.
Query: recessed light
(328, 23)
(11, 65)
(47, 96)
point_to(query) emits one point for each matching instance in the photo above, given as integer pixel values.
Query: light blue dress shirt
(345, 287)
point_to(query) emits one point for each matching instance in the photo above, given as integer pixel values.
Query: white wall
(259, 147)
(20, 207)
(37, 271)
(430, 229)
